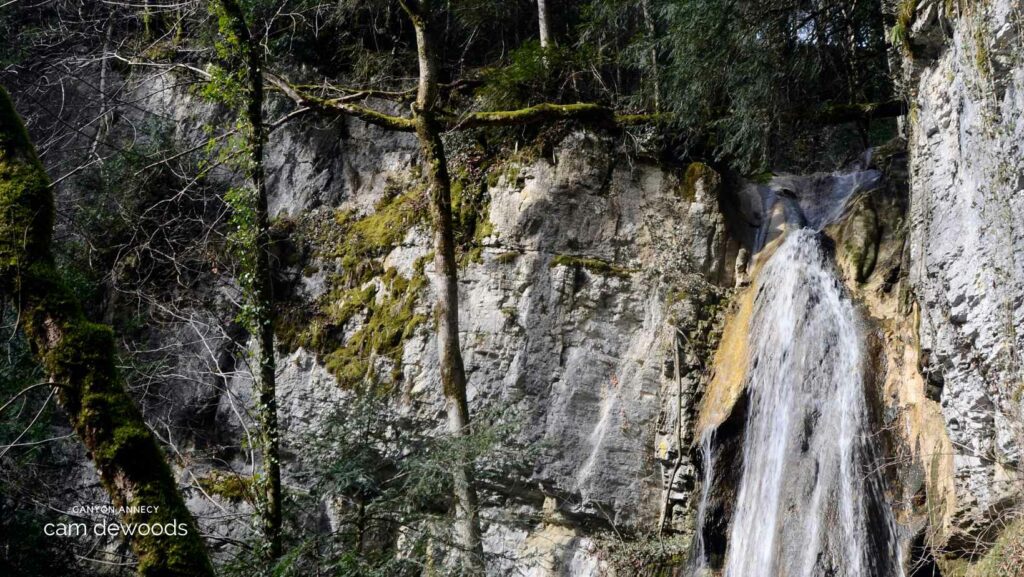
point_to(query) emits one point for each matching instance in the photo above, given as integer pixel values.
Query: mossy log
(340, 107)
(79, 357)
(585, 112)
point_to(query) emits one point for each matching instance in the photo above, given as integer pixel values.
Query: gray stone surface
(966, 238)
(582, 353)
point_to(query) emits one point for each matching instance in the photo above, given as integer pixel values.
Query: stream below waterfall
(810, 500)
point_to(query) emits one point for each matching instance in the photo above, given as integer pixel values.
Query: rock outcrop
(963, 72)
(588, 271)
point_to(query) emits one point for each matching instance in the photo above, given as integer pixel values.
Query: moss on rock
(507, 257)
(470, 207)
(594, 265)
(388, 322)
(231, 487)
(860, 237)
(698, 174)
(1005, 558)
(367, 311)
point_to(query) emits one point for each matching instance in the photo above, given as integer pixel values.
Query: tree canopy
(747, 82)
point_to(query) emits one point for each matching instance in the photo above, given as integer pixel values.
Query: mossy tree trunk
(453, 373)
(260, 282)
(79, 357)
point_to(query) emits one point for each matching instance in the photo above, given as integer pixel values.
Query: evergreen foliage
(744, 78)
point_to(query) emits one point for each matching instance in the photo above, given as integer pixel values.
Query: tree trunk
(104, 121)
(262, 296)
(453, 374)
(645, 7)
(79, 357)
(544, 22)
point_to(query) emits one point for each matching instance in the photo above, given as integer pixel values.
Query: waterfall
(698, 553)
(810, 501)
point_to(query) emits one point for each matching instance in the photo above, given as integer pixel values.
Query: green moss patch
(361, 242)
(899, 35)
(367, 311)
(231, 487)
(1004, 559)
(387, 322)
(507, 257)
(471, 203)
(695, 173)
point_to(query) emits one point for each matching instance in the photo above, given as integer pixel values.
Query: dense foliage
(738, 79)
(750, 76)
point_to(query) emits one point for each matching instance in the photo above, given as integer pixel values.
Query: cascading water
(808, 503)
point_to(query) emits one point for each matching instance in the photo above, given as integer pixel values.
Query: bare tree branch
(339, 106)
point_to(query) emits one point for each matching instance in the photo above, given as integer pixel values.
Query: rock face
(590, 302)
(570, 317)
(592, 271)
(964, 74)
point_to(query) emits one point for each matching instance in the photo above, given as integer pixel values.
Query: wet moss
(861, 236)
(470, 207)
(382, 325)
(367, 312)
(361, 242)
(387, 322)
(899, 35)
(695, 173)
(507, 257)
(981, 51)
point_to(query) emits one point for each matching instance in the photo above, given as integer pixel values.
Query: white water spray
(803, 498)
(808, 503)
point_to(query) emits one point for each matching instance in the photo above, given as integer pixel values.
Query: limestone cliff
(963, 72)
(590, 275)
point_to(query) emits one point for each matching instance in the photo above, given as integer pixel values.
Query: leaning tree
(79, 357)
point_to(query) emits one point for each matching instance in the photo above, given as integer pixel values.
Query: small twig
(30, 425)
(169, 66)
(286, 118)
(25, 390)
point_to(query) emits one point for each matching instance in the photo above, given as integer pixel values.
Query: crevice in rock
(922, 562)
